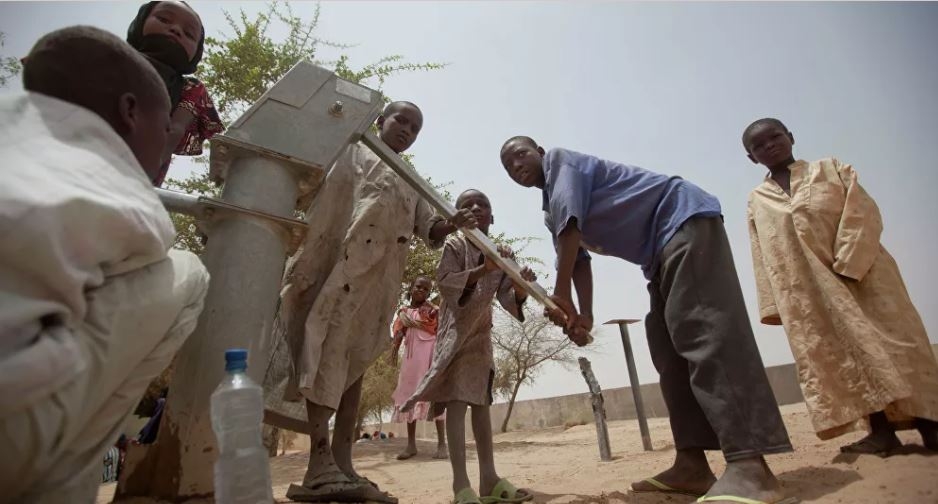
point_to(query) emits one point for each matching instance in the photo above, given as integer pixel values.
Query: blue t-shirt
(621, 210)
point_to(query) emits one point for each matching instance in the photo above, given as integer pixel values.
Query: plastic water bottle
(242, 471)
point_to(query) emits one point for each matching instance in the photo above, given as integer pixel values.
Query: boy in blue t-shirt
(699, 335)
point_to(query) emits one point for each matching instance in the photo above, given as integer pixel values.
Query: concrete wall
(576, 408)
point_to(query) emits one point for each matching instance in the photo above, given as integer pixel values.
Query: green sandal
(744, 500)
(467, 496)
(664, 489)
(505, 492)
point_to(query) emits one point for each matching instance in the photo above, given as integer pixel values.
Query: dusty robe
(463, 362)
(342, 285)
(821, 272)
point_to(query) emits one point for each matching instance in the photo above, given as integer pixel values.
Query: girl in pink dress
(415, 328)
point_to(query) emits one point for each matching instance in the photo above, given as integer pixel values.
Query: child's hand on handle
(464, 218)
(580, 333)
(565, 315)
(577, 327)
(527, 274)
(504, 251)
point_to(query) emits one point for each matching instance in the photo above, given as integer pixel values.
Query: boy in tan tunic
(463, 366)
(861, 350)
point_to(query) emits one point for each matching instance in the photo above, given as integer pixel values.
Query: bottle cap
(236, 359)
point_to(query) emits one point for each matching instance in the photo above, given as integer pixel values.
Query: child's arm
(456, 283)
(583, 282)
(768, 312)
(570, 180)
(569, 267)
(463, 218)
(521, 295)
(857, 245)
(476, 274)
(510, 294)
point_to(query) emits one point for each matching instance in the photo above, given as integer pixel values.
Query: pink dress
(418, 353)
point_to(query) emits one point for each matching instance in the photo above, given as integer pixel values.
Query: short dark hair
(520, 138)
(396, 105)
(759, 122)
(418, 277)
(458, 198)
(91, 68)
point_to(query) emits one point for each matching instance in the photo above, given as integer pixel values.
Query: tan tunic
(859, 344)
(463, 362)
(341, 287)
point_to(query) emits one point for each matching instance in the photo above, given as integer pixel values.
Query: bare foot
(441, 452)
(336, 487)
(877, 443)
(750, 478)
(320, 471)
(690, 475)
(408, 452)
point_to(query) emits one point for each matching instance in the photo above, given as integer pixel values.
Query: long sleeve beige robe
(341, 287)
(821, 272)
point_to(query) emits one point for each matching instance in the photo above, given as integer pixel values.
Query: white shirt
(75, 208)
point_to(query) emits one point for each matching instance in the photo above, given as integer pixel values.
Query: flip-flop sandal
(867, 447)
(664, 489)
(323, 489)
(745, 500)
(505, 492)
(467, 496)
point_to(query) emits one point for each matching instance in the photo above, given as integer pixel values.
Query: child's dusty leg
(325, 480)
(411, 448)
(412, 436)
(320, 456)
(440, 440)
(482, 430)
(456, 438)
(343, 436)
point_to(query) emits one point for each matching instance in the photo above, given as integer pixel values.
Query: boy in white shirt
(93, 304)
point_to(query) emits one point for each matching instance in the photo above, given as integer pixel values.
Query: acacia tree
(9, 66)
(521, 348)
(238, 68)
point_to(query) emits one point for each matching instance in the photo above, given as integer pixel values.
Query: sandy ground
(562, 467)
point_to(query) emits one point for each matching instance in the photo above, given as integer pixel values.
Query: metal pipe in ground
(633, 380)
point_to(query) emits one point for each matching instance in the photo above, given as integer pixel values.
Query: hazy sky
(666, 86)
